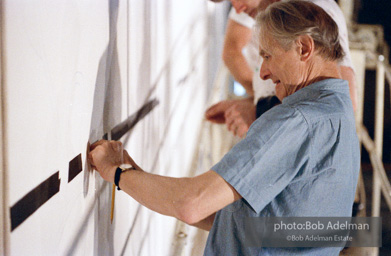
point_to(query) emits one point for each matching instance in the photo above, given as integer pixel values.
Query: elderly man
(240, 55)
(301, 158)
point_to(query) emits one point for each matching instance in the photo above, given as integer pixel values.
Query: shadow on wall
(166, 113)
(106, 113)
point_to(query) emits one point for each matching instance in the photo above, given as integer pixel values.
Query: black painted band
(75, 167)
(26, 206)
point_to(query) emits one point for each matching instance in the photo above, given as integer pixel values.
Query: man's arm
(237, 37)
(348, 74)
(206, 224)
(191, 200)
(238, 115)
(216, 112)
(187, 199)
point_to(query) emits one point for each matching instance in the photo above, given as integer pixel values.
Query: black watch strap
(117, 176)
(120, 169)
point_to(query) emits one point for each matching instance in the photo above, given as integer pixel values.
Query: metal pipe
(379, 124)
(358, 60)
(377, 165)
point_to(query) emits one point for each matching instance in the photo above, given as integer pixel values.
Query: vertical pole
(2, 204)
(379, 123)
(358, 60)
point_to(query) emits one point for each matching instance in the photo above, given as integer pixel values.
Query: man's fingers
(233, 111)
(213, 110)
(98, 148)
(98, 143)
(215, 114)
(231, 115)
(235, 123)
(218, 119)
(219, 107)
(230, 123)
(91, 159)
(242, 131)
(116, 146)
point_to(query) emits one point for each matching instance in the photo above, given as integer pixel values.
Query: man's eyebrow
(262, 53)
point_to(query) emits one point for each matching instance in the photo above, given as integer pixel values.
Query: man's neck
(321, 70)
(317, 71)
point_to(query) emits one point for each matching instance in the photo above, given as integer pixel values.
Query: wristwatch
(120, 169)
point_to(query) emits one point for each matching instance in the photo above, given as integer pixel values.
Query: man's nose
(239, 7)
(264, 72)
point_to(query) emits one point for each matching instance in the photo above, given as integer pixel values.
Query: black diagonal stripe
(75, 167)
(26, 206)
(121, 129)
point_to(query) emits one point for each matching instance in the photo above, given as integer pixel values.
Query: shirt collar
(312, 91)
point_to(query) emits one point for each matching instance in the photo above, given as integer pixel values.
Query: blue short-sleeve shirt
(301, 158)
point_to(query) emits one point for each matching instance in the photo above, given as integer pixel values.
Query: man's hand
(105, 157)
(129, 160)
(216, 113)
(238, 115)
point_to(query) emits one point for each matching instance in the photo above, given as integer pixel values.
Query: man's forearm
(240, 70)
(207, 223)
(190, 200)
(161, 194)
(237, 37)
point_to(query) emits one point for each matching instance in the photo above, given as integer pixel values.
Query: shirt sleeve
(274, 151)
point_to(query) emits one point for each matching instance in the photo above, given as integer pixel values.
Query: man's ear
(306, 47)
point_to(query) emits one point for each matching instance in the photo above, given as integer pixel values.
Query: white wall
(73, 70)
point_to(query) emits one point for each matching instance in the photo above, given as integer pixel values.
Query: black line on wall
(121, 129)
(26, 206)
(75, 167)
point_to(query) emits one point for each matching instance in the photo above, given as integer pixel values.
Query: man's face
(248, 6)
(251, 7)
(282, 67)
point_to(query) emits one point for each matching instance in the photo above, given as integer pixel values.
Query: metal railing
(374, 147)
(377, 164)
